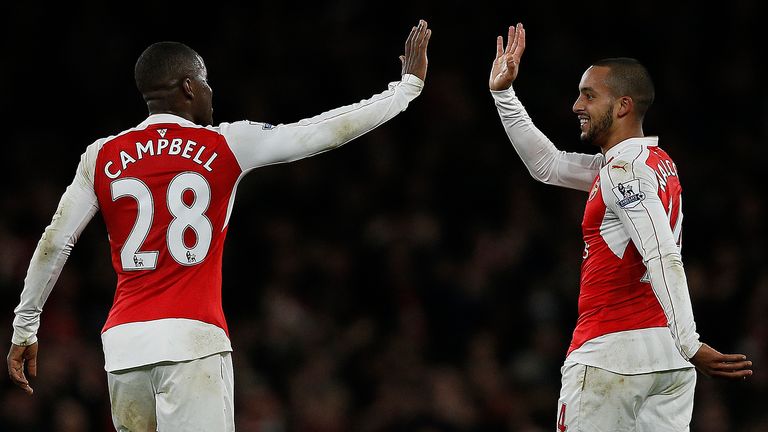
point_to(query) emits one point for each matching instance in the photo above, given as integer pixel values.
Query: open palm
(507, 62)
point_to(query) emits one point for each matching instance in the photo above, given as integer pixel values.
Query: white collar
(164, 118)
(649, 141)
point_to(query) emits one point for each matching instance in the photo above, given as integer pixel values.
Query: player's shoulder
(244, 133)
(250, 126)
(630, 159)
(101, 142)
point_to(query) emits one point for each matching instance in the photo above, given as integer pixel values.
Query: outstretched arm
(258, 144)
(544, 161)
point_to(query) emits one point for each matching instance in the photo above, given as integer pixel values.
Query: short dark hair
(162, 64)
(628, 77)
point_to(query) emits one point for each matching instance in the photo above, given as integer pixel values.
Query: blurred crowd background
(416, 279)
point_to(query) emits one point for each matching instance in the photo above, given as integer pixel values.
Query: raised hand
(415, 58)
(714, 364)
(507, 62)
(18, 357)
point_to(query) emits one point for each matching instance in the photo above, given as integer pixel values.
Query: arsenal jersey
(635, 313)
(615, 291)
(163, 191)
(166, 190)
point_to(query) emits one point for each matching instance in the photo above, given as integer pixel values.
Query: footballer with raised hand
(630, 364)
(165, 189)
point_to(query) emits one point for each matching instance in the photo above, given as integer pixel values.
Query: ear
(625, 106)
(186, 87)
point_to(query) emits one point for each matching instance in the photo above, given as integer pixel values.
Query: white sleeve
(633, 196)
(76, 208)
(258, 144)
(544, 161)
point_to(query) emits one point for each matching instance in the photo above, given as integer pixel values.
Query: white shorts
(196, 395)
(595, 400)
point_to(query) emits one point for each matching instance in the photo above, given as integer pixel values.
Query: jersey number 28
(184, 216)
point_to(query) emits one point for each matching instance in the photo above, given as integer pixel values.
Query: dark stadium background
(416, 279)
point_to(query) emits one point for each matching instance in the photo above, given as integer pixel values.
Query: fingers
(415, 57)
(17, 357)
(736, 367)
(717, 365)
(519, 42)
(32, 367)
(510, 39)
(422, 36)
(409, 40)
(30, 355)
(425, 40)
(515, 44)
(730, 367)
(732, 357)
(415, 37)
(16, 372)
(731, 375)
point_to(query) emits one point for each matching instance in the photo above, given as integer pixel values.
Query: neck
(168, 103)
(616, 138)
(182, 114)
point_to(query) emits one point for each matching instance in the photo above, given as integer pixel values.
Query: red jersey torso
(164, 193)
(614, 294)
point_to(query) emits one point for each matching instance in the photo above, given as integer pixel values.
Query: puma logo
(620, 165)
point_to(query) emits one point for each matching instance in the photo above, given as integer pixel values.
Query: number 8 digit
(189, 216)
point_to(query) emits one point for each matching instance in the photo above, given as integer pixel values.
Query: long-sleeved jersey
(635, 313)
(166, 190)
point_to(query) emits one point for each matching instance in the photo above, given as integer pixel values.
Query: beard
(598, 128)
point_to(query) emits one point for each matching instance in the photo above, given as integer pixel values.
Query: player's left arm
(259, 144)
(631, 191)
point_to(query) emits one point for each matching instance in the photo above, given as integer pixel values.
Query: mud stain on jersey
(203, 340)
(47, 246)
(346, 131)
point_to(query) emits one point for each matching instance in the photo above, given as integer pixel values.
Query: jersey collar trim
(650, 141)
(164, 118)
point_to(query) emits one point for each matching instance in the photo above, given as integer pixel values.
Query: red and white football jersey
(635, 313)
(166, 190)
(616, 292)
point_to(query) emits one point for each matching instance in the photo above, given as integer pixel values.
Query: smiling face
(595, 106)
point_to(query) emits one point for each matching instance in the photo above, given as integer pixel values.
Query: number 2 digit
(130, 256)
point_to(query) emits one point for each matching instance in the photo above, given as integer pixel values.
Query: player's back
(164, 191)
